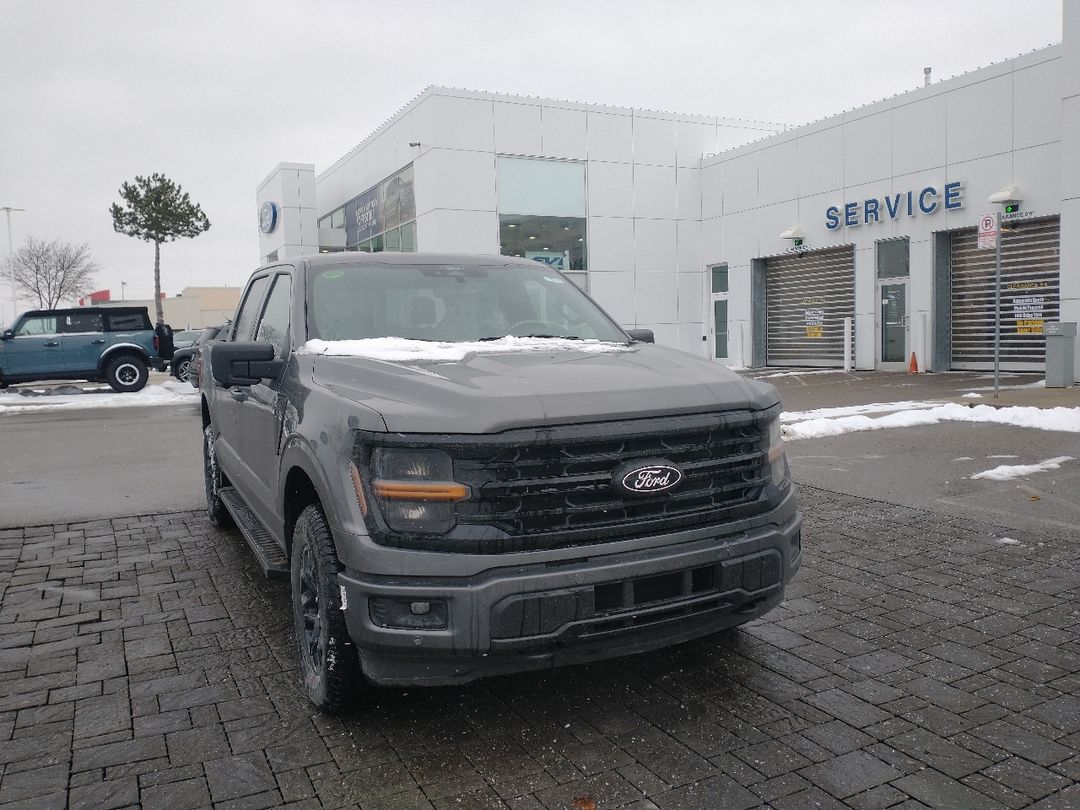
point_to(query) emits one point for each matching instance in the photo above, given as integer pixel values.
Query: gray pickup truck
(465, 467)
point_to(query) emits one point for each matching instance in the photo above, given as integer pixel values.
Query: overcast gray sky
(214, 93)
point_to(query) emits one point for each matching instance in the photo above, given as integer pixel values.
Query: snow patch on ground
(964, 458)
(399, 350)
(1007, 472)
(1008, 541)
(837, 421)
(972, 395)
(171, 392)
(853, 410)
(1003, 455)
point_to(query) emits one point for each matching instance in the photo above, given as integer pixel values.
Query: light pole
(7, 209)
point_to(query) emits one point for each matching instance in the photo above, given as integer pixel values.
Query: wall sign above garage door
(926, 200)
(807, 297)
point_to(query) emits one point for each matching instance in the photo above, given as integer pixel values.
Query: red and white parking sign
(988, 234)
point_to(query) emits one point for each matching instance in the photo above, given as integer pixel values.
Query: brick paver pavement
(919, 661)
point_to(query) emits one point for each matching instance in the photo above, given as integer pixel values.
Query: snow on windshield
(399, 350)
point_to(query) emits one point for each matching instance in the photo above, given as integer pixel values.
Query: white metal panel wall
(807, 297)
(1030, 296)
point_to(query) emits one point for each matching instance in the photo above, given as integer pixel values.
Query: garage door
(807, 297)
(1030, 296)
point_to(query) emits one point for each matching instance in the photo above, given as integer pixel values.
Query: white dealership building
(738, 240)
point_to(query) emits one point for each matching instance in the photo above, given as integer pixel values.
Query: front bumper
(555, 611)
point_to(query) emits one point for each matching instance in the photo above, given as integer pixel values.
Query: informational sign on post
(815, 323)
(988, 233)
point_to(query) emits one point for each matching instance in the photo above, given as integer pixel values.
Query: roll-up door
(1030, 296)
(807, 297)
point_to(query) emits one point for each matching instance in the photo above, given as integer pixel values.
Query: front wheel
(328, 661)
(214, 480)
(126, 373)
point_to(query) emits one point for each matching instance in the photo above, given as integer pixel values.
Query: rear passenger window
(126, 322)
(274, 326)
(81, 322)
(249, 309)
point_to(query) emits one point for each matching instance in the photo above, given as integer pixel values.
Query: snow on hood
(397, 350)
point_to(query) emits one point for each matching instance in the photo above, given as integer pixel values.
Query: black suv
(464, 467)
(116, 345)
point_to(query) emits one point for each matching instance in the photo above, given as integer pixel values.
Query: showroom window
(542, 213)
(382, 218)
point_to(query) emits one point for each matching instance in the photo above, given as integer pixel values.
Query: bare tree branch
(51, 271)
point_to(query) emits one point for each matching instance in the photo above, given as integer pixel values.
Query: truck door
(228, 402)
(262, 413)
(84, 339)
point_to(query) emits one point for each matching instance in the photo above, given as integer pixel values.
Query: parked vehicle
(183, 359)
(101, 344)
(448, 502)
(184, 338)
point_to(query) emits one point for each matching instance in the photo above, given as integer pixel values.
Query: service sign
(911, 203)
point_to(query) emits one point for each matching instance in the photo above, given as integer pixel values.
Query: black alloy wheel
(328, 661)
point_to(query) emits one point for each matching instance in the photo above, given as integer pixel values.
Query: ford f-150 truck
(464, 467)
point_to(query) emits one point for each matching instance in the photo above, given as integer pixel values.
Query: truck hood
(487, 393)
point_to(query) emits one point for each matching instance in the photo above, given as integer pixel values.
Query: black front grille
(552, 487)
(563, 484)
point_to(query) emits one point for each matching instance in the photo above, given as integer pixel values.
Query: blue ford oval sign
(647, 477)
(268, 215)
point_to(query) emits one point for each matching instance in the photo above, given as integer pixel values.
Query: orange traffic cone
(913, 365)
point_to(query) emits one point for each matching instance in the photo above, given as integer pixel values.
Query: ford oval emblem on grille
(646, 477)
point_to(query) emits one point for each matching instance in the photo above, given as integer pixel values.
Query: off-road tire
(215, 479)
(328, 662)
(126, 373)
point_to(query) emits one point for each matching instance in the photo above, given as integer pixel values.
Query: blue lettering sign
(952, 196)
(931, 192)
(864, 212)
(851, 214)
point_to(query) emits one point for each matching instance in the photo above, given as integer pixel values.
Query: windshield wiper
(534, 335)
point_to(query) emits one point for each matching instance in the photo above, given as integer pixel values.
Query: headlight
(777, 457)
(416, 490)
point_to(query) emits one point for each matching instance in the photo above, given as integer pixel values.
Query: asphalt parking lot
(918, 661)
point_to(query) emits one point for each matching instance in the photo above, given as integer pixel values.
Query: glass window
(324, 223)
(558, 242)
(127, 321)
(721, 327)
(274, 325)
(408, 238)
(450, 303)
(720, 278)
(78, 322)
(337, 218)
(892, 258)
(392, 240)
(541, 187)
(42, 325)
(249, 308)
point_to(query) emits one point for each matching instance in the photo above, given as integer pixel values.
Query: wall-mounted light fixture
(1010, 195)
(796, 234)
(414, 143)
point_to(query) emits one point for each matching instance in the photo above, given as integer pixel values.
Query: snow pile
(1006, 471)
(397, 350)
(171, 392)
(972, 395)
(837, 421)
(1008, 541)
(802, 373)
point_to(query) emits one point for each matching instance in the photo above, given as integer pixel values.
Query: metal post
(997, 309)
(847, 344)
(7, 209)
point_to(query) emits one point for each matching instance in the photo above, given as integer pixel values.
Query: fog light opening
(408, 614)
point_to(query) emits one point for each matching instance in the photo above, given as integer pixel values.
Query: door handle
(51, 343)
(238, 394)
(98, 341)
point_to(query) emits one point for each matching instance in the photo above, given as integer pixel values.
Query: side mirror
(7, 334)
(641, 335)
(244, 363)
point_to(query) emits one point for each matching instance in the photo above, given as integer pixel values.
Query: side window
(249, 309)
(37, 326)
(79, 322)
(127, 322)
(274, 326)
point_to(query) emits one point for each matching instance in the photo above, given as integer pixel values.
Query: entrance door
(893, 326)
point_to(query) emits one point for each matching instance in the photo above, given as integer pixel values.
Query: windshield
(451, 303)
